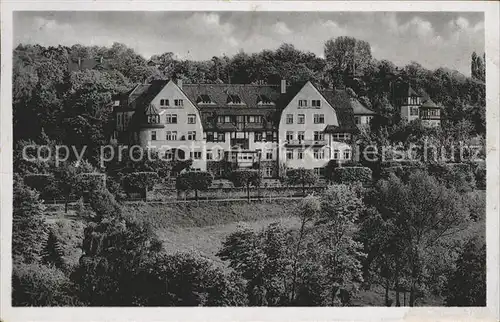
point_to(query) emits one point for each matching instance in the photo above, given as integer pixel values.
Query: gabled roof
(404, 89)
(341, 102)
(360, 109)
(225, 95)
(429, 104)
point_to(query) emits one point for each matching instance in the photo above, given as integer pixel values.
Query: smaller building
(362, 114)
(413, 106)
(430, 113)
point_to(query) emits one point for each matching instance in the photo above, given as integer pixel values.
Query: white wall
(308, 92)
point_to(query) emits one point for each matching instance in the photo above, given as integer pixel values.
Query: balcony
(305, 143)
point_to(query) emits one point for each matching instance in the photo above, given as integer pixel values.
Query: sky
(433, 39)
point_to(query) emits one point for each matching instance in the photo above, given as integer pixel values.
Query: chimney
(283, 86)
(179, 83)
(79, 63)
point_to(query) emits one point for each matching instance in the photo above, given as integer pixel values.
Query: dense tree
(28, 223)
(246, 178)
(467, 285)
(302, 177)
(196, 181)
(421, 214)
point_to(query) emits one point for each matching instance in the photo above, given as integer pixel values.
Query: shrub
(194, 181)
(352, 174)
(301, 177)
(480, 176)
(402, 172)
(140, 181)
(456, 175)
(41, 285)
(246, 178)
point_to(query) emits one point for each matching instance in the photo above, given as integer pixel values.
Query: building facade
(229, 126)
(413, 106)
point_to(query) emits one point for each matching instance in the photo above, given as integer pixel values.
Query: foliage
(186, 280)
(40, 285)
(418, 215)
(467, 285)
(456, 175)
(301, 177)
(194, 181)
(246, 178)
(140, 181)
(352, 175)
(52, 253)
(28, 223)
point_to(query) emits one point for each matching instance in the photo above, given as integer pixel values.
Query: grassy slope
(202, 227)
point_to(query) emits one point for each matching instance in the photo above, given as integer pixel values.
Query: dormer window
(233, 99)
(204, 99)
(264, 100)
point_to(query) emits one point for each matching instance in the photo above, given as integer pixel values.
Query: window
(179, 102)
(268, 172)
(125, 120)
(357, 119)
(303, 103)
(258, 136)
(196, 155)
(414, 111)
(289, 154)
(221, 137)
(263, 99)
(341, 136)
(171, 118)
(316, 103)
(116, 103)
(153, 119)
(301, 119)
(271, 136)
(220, 119)
(171, 136)
(119, 119)
(169, 155)
(164, 102)
(254, 119)
(301, 135)
(191, 118)
(191, 135)
(319, 118)
(319, 154)
(336, 154)
(209, 155)
(228, 119)
(153, 135)
(269, 154)
(204, 99)
(289, 135)
(233, 99)
(319, 136)
(347, 154)
(289, 119)
(300, 154)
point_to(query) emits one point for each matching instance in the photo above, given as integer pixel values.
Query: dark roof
(341, 102)
(232, 95)
(403, 89)
(360, 109)
(429, 104)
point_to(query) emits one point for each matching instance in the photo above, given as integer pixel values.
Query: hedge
(352, 174)
(38, 181)
(138, 181)
(402, 172)
(457, 175)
